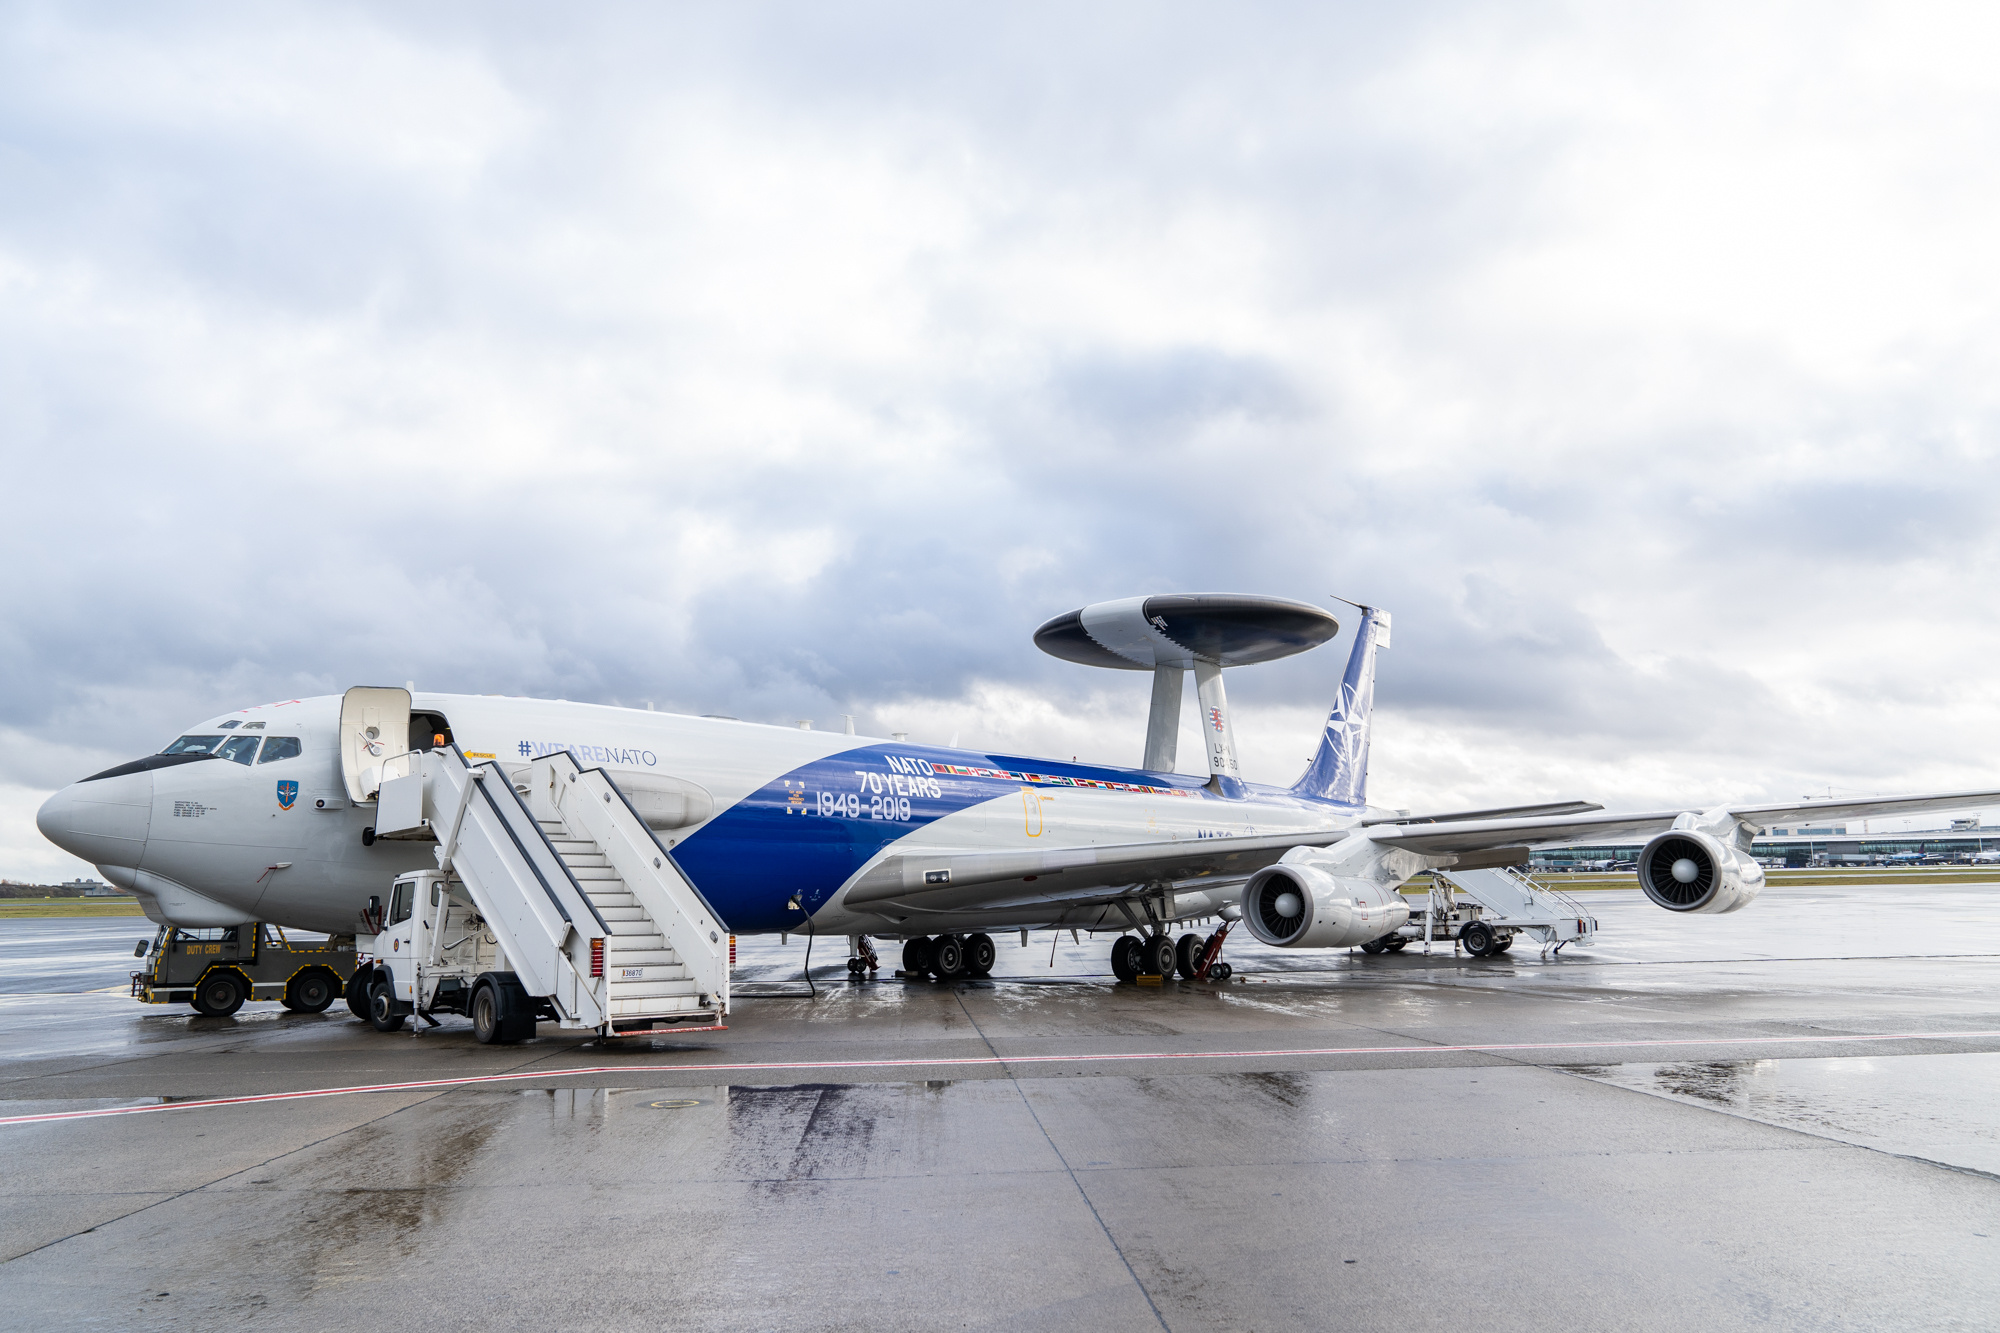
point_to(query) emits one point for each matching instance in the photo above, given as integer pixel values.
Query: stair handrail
(540, 834)
(706, 936)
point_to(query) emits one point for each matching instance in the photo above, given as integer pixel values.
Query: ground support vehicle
(552, 901)
(1482, 911)
(216, 970)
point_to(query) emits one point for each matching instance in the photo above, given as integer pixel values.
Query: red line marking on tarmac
(963, 1061)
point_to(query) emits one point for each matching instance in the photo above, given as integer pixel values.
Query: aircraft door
(374, 729)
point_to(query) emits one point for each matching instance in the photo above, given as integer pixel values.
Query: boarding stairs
(1509, 900)
(588, 908)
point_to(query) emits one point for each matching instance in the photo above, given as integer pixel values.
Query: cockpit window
(280, 747)
(241, 749)
(195, 745)
(224, 726)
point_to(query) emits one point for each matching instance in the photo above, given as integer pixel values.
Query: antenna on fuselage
(1174, 633)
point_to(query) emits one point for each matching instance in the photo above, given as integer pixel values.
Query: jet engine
(1299, 906)
(1685, 870)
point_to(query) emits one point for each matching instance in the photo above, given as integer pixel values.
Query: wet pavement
(1311, 1145)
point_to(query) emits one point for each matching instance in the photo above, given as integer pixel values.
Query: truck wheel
(219, 993)
(1477, 939)
(486, 1015)
(357, 990)
(1373, 946)
(311, 992)
(382, 1015)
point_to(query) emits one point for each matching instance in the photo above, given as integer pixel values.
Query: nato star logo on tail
(288, 792)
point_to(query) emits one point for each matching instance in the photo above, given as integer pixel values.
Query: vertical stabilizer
(1339, 771)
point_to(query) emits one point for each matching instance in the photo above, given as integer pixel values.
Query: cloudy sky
(792, 362)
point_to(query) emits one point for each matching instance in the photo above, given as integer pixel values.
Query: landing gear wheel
(1477, 939)
(916, 956)
(947, 958)
(311, 992)
(1125, 959)
(1187, 955)
(1156, 956)
(857, 967)
(219, 994)
(485, 1015)
(357, 990)
(382, 1015)
(1221, 972)
(979, 955)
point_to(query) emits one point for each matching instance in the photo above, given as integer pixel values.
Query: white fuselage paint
(209, 842)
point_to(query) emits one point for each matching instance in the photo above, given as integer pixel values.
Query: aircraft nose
(104, 821)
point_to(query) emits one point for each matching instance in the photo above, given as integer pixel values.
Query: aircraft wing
(948, 880)
(1489, 834)
(936, 879)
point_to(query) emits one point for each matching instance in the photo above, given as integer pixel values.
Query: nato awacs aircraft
(305, 812)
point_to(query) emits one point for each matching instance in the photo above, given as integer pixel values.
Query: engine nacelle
(1295, 905)
(1684, 870)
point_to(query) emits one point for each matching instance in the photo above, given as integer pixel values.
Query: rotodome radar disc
(1178, 629)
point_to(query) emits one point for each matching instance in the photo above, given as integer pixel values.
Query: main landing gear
(949, 957)
(1194, 958)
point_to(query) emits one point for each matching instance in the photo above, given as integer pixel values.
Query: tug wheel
(382, 1015)
(357, 990)
(219, 993)
(311, 992)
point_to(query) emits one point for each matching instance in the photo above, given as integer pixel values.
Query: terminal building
(1814, 845)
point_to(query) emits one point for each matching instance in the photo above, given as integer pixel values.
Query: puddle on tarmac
(1935, 1107)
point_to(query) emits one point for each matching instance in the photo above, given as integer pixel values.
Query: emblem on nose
(288, 792)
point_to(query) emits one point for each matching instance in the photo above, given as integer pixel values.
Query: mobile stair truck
(552, 901)
(1482, 911)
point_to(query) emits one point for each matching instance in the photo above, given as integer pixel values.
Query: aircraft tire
(357, 991)
(1477, 939)
(312, 991)
(1187, 955)
(947, 958)
(219, 993)
(382, 1015)
(1156, 956)
(916, 956)
(979, 955)
(1125, 959)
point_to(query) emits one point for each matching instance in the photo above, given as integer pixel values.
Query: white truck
(552, 900)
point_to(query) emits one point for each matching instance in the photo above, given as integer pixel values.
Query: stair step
(656, 1004)
(619, 897)
(613, 915)
(617, 961)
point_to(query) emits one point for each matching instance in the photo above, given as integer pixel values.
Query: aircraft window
(224, 726)
(280, 747)
(241, 749)
(399, 908)
(253, 726)
(195, 745)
